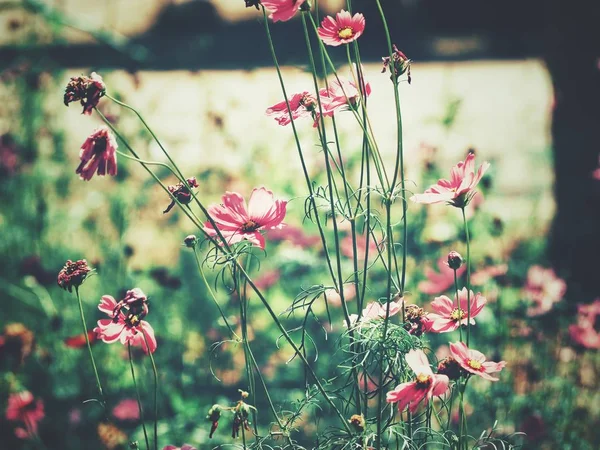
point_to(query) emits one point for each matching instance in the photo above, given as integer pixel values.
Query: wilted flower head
(438, 282)
(237, 222)
(460, 189)
(23, 409)
(303, 104)
(73, 274)
(451, 368)
(344, 29)
(543, 288)
(448, 317)
(416, 319)
(282, 9)
(126, 322)
(86, 90)
(182, 192)
(400, 64)
(475, 362)
(213, 416)
(424, 387)
(585, 332)
(98, 153)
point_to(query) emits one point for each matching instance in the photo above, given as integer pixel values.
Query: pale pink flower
(447, 316)
(126, 409)
(475, 362)
(237, 222)
(438, 282)
(426, 384)
(125, 323)
(26, 411)
(374, 311)
(185, 447)
(457, 191)
(543, 288)
(344, 29)
(484, 275)
(98, 154)
(340, 95)
(282, 9)
(302, 105)
(584, 332)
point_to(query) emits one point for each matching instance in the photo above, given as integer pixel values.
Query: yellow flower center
(476, 365)
(457, 314)
(423, 378)
(249, 226)
(346, 33)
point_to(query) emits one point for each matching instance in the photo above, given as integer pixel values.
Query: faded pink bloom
(267, 279)
(373, 311)
(26, 411)
(282, 9)
(543, 288)
(238, 222)
(426, 384)
(438, 282)
(341, 95)
(585, 332)
(459, 190)
(448, 317)
(185, 447)
(125, 323)
(302, 105)
(344, 29)
(126, 409)
(474, 362)
(98, 154)
(484, 275)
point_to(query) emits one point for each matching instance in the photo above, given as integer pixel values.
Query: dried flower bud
(454, 260)
(451, 368)
(398, 64)
(251, 3)
(213, 416)
(190, 241)
(182, 192)
(73, 274)
(358, 422)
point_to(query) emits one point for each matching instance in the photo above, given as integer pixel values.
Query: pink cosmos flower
(98, 153)
(185, 447)
(26, 411)
(474, 362)
(341, 95)
(373, 311)
(344, 29)
(457, 191)
(584, 332)
(447, 317)
(126, 409)
(282, 9)
(238, 222)
(543, 288)
(125, 323)
(438, 282)
(302, 105)
(426, 384)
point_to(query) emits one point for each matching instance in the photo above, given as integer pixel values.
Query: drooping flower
(344, 29)
(182, 192)
(98, 154)
(282, 9)
(475, 362)
(374, 311)
(86, 90)
(237, 222)
(341, 95)
(438, 282)
(126, 322)
(27, 412)
(302, 105)
(459, 190)
(543, 288)
(423, 388)
(585, 332)
(73, 274)
(398, 65)
(126, 409)
(449, 317)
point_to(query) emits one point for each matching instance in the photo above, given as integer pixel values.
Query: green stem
(458, 304)
(155, 372)
(89, 347)
(466, 225)
(139, 400)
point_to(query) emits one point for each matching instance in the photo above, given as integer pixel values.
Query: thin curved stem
(139, 400)
(466, 225)
(155, 372)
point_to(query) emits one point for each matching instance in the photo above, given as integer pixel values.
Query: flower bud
(454, 260)
(190, 241)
